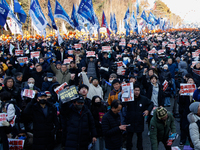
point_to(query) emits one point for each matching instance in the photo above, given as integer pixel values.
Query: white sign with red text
(128, 92)
(187, 89)
(29, 93)
(15, 144)
(35, 54)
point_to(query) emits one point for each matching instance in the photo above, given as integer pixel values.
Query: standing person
(136, 111)
(194, 120)
(45, 123)
(80, 125)
(83, 90)
(98, 109)
(112, 128)
(161, 125)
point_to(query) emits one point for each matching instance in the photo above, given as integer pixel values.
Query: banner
(14, 28)
(60, 88)
(62, 14)
(16, 144)
(21, 13)
(19, 52)
(128, 94)
(67, 95)
(3, 14)
(67, 61)
(35, 54)
(161, 51)
(77, 46)
(195, 54)
(90, 54)
(29, 93)
(153, 51)
(38, 19)
(187, 89)
(70, 52)
(50, 14)
(106, 48)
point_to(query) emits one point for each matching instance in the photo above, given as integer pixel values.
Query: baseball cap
(41, 94)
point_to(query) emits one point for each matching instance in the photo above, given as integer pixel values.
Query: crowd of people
(98, 118)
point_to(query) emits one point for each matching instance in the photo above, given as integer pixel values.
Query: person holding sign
(80, 124)
(45, 122)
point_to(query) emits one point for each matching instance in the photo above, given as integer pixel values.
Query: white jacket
(92, 89)
(194, 130)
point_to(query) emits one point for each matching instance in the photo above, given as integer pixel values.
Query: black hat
(50, 75)
(80, 99)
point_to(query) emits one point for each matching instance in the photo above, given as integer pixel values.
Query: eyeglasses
(111, 77)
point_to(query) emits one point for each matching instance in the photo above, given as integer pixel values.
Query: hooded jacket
(194, 130)
(159, 130)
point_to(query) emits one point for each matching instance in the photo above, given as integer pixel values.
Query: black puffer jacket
(43, 127)
(166, 75)
(80, 127)
(111, 131)
(134, 115)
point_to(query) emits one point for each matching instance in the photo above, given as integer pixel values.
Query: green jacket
(159, 130)
(61, 77)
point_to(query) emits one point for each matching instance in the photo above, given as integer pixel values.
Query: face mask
(79, 107)
(21, 64)
(49, 79)
(151, 58)
(98, 104)
(42, 101)
(153, 62)
(110, 81)
(31, 85)
(22, 138)
(5, 57)
(165, 69)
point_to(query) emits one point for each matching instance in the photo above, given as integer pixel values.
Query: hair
(94, 97)
(6, 79)
(154, 76)
(83, 86)
(136, 86)
(115, 103)
(18, 74)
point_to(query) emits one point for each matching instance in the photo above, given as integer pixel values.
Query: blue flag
(133, 21)
(143, 16)
(75, 18)
(114, 24)
(50, 14)
(96, 25)
(151, 19)
(3, 14)
(137, 8)
(87, 11)
(62, 14)
(21, 13)
(127, 15)
(157, 21)
(38, 19)
(127, 27)
(111, 22)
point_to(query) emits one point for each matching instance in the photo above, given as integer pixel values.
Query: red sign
(195, 54)
(187, 89)
(35, 54)
(164, 43)
(165, 85)
(60, 88)
(172, 46)
(155, 44)
(90, 53)
(29, 93)
(77, 46)
(15, 144)
(153, 51)
(19, 52)
(194, 43)
(161, 51)
(70, 52)
(119, 64)
(67, 61)
(106, 48)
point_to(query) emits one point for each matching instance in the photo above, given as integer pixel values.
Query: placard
(67, 61)
(3, 118)
(161, 51)
(165, 85)
(19, 52)
(35, 54)
(106, 48)
(90, 54)
(15, 144)
(67, 95)
(77, 46)
(153, 51)
(70, 52)
(60, 88)
(131, 93)
(122, 44)
(22, 59)
(29, 93)
(187, 89)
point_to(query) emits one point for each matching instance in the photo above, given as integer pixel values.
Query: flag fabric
(96, 25)
(133, 21)
(64, 28)
(3, 14)
(127, 15)
(21, 13)
(104, 23)
(75, 18)
(111, 21)
(38, 19)
(127, 27)
(86, 10)
(62, 14)
(137, 8)
(157, 21)
(50, 14)
(143, 16)
(114, 24)
(13, 27)
(151, 19)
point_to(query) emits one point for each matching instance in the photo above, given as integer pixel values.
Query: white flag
(11, 48)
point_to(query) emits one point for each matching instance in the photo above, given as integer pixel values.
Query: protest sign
(19, 52)
(187, 44)
(165, 85)
(3, 118)
(67, 95)
(153, 51)
(164, 43)
(90, 54)
(67, 61)
(77, 46)
(128, 94)
(133, 41)
(159, 38)
(129, 45)
(196, 71)
(194, 63)
(82, 42)
(161, 51)
(155, 44)
(195, 54)
(194, 43)
(106, 48)
(70, 52)
(35, 54)
(60, 88)
(118, 56)
(101, 114)
(187, 89)
(122, 43)
(29, 93)
(22, 59)
(172, 46)
(16, 144)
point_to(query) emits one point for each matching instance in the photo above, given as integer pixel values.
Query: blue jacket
(172, 69)
(196, 95)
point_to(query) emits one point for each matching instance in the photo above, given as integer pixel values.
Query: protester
(116, 90)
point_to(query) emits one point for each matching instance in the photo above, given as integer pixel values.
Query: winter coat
(39, 78)
(159, 130)
(166, 75)
(3, 136)
(111, 131)
(80, 127)
(43, 126)
(134, 115)
(172, 69)
(47, 86)
(45, 66)
(75, 71)
(92, 89)
(182, 66)
(194, 130)
(196, 95)
(113, 95)
(160, 94)
(61, 76)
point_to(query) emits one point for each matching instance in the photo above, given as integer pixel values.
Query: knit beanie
(194, 107)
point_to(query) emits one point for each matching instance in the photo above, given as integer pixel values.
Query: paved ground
(146, 140)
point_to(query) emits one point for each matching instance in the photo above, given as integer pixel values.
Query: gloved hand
(5, 123)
